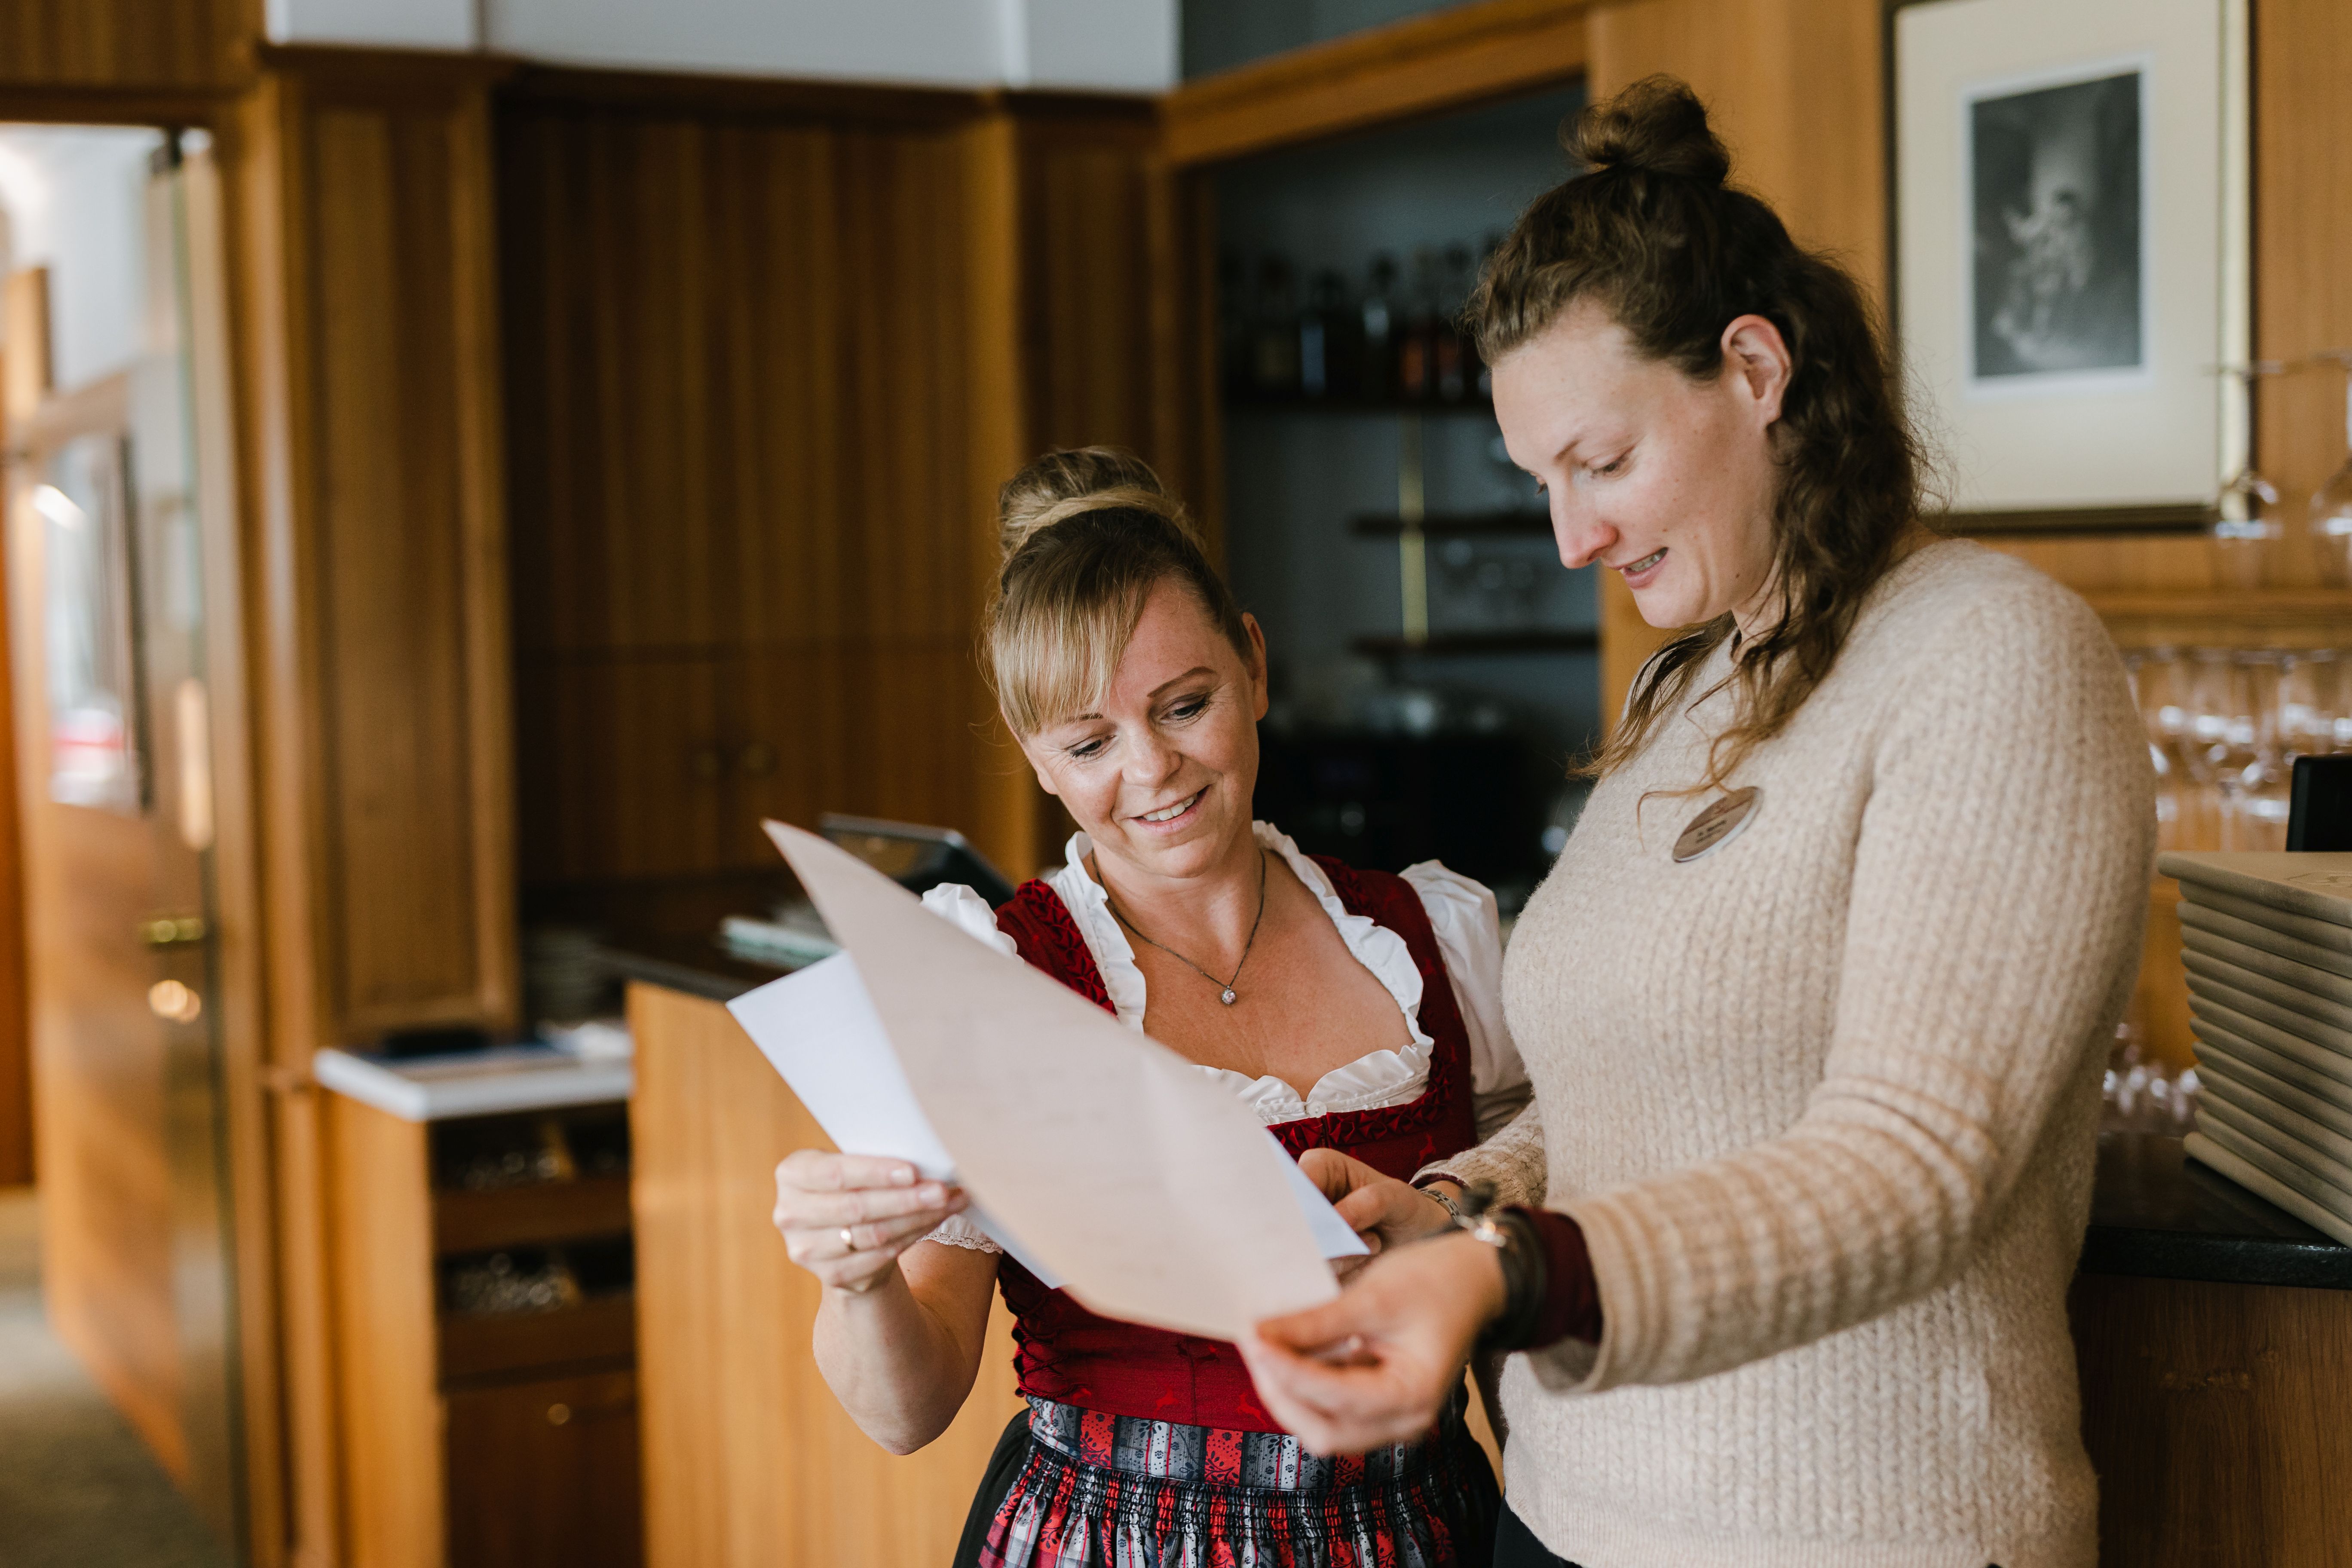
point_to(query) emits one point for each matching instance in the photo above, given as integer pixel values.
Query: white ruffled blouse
(1462, 916)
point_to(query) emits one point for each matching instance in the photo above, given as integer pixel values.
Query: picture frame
(2069, 271)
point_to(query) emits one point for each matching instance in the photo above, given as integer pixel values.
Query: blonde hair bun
(1069, 592)
(1070, 483)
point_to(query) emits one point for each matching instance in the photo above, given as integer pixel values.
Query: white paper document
(1103, 1161)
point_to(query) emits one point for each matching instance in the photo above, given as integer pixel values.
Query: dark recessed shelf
(1522, 524)
(1478, 406)
(1444, 643)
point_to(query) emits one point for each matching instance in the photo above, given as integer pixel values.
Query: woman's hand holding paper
(1384, 1211)
(847, 1217)
(1378, 1365)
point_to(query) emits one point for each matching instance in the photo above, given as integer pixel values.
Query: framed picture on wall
(2069, 204)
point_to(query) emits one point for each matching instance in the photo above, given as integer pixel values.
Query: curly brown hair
(1652, 234)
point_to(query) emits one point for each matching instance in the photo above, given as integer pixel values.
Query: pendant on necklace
(1226, 997)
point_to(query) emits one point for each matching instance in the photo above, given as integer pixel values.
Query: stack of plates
(2267, 940)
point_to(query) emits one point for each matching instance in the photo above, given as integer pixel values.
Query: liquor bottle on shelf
(1377, 377)
(1235, 367)
(1275, 332)
(1416, 373)
(1450, 354)
(1330, 357)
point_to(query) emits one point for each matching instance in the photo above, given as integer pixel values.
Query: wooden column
(24, 381)
(373, 593)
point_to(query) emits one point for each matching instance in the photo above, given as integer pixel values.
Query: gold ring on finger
(848, 1239)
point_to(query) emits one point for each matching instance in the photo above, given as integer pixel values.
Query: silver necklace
(1225, 991)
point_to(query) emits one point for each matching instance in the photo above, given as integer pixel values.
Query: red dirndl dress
(1143, 1447)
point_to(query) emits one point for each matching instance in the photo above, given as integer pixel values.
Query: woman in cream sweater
(1815, 1002)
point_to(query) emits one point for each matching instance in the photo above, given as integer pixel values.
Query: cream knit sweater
(1824, 1104)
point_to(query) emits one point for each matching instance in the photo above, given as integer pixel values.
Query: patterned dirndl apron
(1069, 1487)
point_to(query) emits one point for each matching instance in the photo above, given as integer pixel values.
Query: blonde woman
(1353, 1011)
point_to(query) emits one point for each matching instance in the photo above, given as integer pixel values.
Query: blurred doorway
(109, 330)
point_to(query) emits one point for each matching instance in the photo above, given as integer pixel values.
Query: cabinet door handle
(173, 930)
(558, 1414)
(708, 763)
(757, 760)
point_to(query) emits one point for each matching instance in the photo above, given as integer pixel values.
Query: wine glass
(2212, 679)
(2250, 527)
(2159, 684)
(2330, 525)
(2256, 775)
(2311, 703)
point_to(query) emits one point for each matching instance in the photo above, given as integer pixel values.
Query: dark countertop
(697, 965)
(2157, 1214)
(2153, 1213)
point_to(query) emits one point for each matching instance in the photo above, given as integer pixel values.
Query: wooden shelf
(486, 1344)
(1442, 644)
(2223, 605)
(532, 1216)
(1382, 406)
(1500, 524)
(1382, 76)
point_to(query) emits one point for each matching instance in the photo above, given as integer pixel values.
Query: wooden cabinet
(485, 1339)
(768, 356)
(376, 543)
(544, 1474)
(749, 1460)
(2215, 1415)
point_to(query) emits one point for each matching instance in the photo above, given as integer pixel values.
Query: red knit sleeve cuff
(1571, 1307)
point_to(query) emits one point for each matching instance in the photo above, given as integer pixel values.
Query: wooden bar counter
(750, 1462)
(2213, 1332)
(2214, 1335)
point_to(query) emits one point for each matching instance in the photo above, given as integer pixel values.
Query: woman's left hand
(1385, 1212)
(1377, 1365)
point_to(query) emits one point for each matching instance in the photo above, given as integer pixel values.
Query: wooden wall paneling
(126, 44)
(620, 771)
(748, 1460)
(389, 532)
(2303, 230)
(1087, 222)
(1009, 817)
(1459, 56)
(381, 1230)
(783, 482)
(2215, 1415)
(1793, 87)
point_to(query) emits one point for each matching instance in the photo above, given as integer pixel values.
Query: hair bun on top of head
(1658, 126)
(1070, 483)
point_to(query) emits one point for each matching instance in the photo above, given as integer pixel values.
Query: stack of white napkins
(2267, 939)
